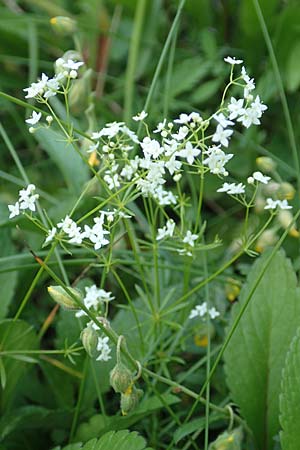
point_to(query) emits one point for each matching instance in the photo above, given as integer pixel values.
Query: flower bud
(286, 191)
(232, 289)
(285, 217)
(266, 164)
(120, 378)
(61, 297)
(130, 399)
(89, 338)
(267, 239)
(80, 92)
(63, 25)
(229, 440)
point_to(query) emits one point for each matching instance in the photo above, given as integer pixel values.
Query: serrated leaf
(99, 424)
(64, 155)
(120, 440)
(256, 352)
(290, 398)
(14, 335)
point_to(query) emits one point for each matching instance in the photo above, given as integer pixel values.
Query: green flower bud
(80, 92)
(120, 378)
(266, 164)
(229, 440)
(63, 25)
(266, 239)
(286, 191)
(61, 297)
(89, 338)
(130, 399)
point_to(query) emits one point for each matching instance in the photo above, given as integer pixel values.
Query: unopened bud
(80, 92)
(121, 378)
(229, 440)
(286, 191)
(63, 25)
(61, 297)
(232, 290)
(130, 399)
(285, 217)
(266, 164)
(89, 338)
(267, 239)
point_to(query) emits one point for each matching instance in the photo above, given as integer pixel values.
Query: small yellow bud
(130, 400)
(201, 341)
(266, 164)
(63, 25)
(89, 338)
(93, 160)
(61, 297)
(286, 191)
(232, 289)
(267, 239)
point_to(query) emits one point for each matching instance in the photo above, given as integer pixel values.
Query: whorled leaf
(290, 398)
(256, 353)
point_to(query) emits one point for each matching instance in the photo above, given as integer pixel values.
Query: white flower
(104, 349)
(50, 235)
(34, 119)
(36, 89)
(189, 152)
(183, 119)
(14, 210)
(232, 188)
(216, 161)
(213, 313)
(112, 180)
(72, 65)
(190, 238)
(271, 204)
(27, 198)
(166, 231)
(258, 176)
(140, 116)
(232, 60)
(222, 135)
(235, 107)
(173, 165)
(160, 126)
(223, 121)
(151, 148)
(92, 147)
(199, 310)
(181, 134)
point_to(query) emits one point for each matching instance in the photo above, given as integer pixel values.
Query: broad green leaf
(290, 398)
(120, 440)
(187, 74)
(99, 424)
(256, 352)
(14, 335)
(64, 155)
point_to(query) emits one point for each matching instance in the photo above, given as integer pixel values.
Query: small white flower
(140, 116)
(198, 311)
(271, 204)
(183, 119)
(71, 65)
(50, 235)
(213, 313)
(232, 188)
(283, 204)
(235, 107)
(190, 238)
(14, 210)
(166, 231)
(104, 349)
(92, 147)
(222, 120)
(258, 176)
(189, 152)
(34, 119)
(232, 60)
(222, 136)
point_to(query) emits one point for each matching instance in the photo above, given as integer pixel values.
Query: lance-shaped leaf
(257, 350)
(290, 398)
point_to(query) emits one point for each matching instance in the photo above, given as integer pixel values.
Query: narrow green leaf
(256, 353)
(290, 398)
(64, 155)
(2, 374)
(14, 335)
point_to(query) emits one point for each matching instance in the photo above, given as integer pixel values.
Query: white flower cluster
(273, 204)
(94, 299)
(27, 200)
(47, 87)
(202, 310)
(104, 349)
(97, 234)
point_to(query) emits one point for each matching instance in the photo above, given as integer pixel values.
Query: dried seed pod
(89, 338)
(121, 378)
(61, 297)
(130, 399)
